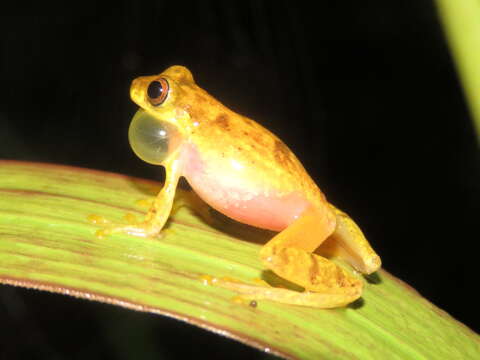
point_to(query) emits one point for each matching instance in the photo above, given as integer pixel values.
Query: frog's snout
(136, 90)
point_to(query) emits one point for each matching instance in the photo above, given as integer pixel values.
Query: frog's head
(163, 120)
(161, 94)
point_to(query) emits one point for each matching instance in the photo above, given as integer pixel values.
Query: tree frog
(244, 171)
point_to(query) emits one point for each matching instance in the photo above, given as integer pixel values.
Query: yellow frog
(245, 172)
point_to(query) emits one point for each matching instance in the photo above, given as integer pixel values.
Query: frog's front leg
(159, 211)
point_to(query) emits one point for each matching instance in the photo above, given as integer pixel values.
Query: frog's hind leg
(290, 255)
(349, 243)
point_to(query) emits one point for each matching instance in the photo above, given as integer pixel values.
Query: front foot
(133, 227)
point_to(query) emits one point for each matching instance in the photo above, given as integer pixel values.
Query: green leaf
(47, 243)
(461, 24)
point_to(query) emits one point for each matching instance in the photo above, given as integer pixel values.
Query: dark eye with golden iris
(157, 91)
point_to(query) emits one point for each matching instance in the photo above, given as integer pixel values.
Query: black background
(365, 93)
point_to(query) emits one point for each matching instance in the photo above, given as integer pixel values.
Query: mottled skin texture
(246, 172)
(223, 136)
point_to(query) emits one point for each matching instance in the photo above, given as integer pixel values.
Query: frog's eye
(157, 91)
(151, 139)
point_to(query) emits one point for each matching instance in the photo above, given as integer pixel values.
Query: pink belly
(240, 198)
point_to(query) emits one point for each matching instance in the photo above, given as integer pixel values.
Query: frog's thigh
(289, 255)
(349, 243)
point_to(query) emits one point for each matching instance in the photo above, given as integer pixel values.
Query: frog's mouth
(152, 139)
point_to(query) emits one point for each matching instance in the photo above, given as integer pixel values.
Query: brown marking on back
(282, 154)
(258, 138)
(200, 98)
(223, 121)
(248, 121)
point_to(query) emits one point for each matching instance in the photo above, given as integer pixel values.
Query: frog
(242, 170)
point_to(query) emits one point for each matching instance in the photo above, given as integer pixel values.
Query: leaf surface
(47, 243)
